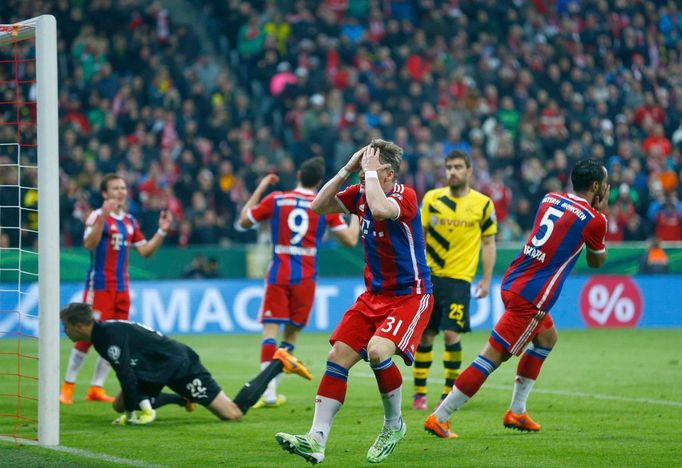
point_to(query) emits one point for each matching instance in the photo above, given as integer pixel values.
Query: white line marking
(83, 453)
(596, 396)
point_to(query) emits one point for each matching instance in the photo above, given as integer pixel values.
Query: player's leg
(348, 340)
(282, 361)
(423, 359)
(274, 312)
(455, 323)
(117, 308)
(527, 373)
(509, 336)
(268, 349)
(331, 395)
(102, 304)
(398, 334)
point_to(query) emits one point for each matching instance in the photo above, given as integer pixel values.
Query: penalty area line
(82, 453)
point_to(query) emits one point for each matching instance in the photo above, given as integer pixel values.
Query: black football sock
(251, 392)
(163, 399)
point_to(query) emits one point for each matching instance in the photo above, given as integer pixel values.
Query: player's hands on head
(353, 164)
(371, 161)
(268, 180)
(108, 206)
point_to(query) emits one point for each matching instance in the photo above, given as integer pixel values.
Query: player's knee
(427, 338)
(451, 337)
(379, 350)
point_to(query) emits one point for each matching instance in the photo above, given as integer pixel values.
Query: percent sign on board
(603, 303)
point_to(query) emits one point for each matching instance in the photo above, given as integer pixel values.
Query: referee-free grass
(589, 400)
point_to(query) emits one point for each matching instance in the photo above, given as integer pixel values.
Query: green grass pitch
(591, 400)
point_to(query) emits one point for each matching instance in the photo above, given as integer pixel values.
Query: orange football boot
(437, 428)
(189, 405)
(66, 395)
(98, 394)
(291, 364)
(521, 422)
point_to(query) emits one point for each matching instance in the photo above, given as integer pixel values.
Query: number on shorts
(389, 324)
(298, 222)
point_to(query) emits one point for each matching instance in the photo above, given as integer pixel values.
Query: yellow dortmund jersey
(453, 228)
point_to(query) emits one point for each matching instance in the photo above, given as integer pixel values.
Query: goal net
(29, 232)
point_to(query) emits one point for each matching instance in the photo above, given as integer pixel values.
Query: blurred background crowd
(193, 102)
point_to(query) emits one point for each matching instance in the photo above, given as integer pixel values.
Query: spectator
(655, 260)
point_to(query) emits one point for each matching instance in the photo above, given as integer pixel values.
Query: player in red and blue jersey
(564, 224)
(292, 275)
(110, 232)
(390, 316)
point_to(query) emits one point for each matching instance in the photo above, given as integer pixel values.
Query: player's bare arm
(379, 179)
(325, 201)
(488, 254)
(92, 238)
(349, 236)
(165, 222)
(600, 202)
(269, 180)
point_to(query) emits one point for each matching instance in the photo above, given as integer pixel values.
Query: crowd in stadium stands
(193, 115)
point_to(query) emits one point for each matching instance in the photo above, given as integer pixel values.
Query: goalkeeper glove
(123, 419)
(144, 416)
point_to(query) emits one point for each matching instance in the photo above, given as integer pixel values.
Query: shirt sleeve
(348, 199)
(137, 238)
(336, 222)
(90, 222)
(405, 199)
(262, 210)
(489, 220)
(595, 233)
(115, 348)
(426, 202)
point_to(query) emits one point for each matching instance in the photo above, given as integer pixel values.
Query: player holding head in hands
(564, 223)
(390, 316)
(459, 223)
(292, 275)
(145, 361)
(109, 233)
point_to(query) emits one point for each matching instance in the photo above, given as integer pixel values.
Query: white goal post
(43, 29)
(48, 229)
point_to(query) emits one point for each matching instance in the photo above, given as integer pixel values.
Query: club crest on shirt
(130, 230)
(114, 352)
(361, 207)
(113, 227)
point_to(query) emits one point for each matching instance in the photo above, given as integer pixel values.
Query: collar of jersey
(304, 190)
(576, 197)
(117, 217)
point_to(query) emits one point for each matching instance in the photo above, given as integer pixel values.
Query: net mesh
(18, 233)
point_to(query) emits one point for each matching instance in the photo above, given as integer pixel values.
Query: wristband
(161, 232)
(343, 173)
(145, 405)
(371, 175)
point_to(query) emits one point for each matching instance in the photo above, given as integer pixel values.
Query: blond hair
(389, 153)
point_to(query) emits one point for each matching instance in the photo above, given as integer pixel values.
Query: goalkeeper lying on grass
(145, 361)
